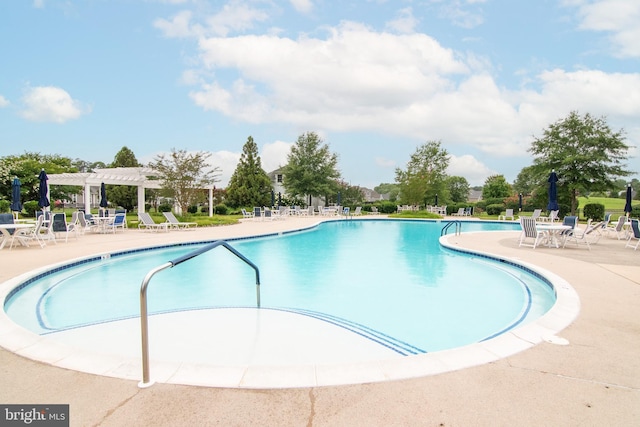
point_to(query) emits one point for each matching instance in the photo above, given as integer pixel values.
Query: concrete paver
(595, 380)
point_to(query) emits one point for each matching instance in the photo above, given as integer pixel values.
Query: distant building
(474, 196)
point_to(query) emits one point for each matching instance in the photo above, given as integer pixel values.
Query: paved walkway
(595, 380)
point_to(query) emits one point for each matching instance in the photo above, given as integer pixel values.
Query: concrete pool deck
(595, 380)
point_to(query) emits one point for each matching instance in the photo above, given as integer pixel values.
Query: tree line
(586, 154)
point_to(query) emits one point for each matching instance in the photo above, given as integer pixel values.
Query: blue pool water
(388, 279)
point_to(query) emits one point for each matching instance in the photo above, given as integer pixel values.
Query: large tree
(425, 175)
(184, 175)
(312, 169)
(496, 187)
(249, 185)
(124, 195)
(585, 153)
(26, 167)
(459, 188)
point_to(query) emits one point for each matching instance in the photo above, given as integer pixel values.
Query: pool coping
(46, 349)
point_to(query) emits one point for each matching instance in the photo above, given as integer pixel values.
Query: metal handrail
(144, 324)
(458, 225)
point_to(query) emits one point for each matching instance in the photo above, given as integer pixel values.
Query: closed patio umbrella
(103, 196)
(339, 199)
(436, 201)
(519, 202)
(16, 204)
(43, 190)
(273, 198)
(553, 192)
(627, 205)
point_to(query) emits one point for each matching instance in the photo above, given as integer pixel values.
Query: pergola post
(141, 198)
(87, 198)
(211, 201)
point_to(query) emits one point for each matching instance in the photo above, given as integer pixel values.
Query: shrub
(4, 205)
(387, 207)
(192, 209)
(31, 207)
(495, 209)
(595, 211)
(165, 207)
(635, 211)
(220, 209)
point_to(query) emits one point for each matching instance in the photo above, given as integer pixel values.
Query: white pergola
(142, 178)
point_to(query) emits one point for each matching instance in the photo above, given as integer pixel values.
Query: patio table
(6, 236)
(553, 231)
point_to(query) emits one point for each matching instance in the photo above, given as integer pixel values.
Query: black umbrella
(436, 203)
(553, 192)
(43, 191)
(279, 199)
(273, 198)
(339, 198)
(627, 205)
(103, 196)
(16, 204)
(519, 202)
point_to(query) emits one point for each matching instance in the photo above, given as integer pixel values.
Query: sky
(374, 78)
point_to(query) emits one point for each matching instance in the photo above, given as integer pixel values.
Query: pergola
(141, 177)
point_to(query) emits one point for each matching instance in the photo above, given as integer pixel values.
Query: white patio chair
(175, 223)
(147, 223)
(635, 235)
(529, 231)
(508, 214)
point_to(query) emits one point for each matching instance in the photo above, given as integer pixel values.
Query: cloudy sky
(375, 78)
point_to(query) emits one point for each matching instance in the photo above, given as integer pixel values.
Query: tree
(425, 175)
(496, 187)
(249, 185)
(124, 195)
(585, 153)
(184, 174)
(26, 167)
(350, 195)
(311, 168)
(458, 188)
(527, 181)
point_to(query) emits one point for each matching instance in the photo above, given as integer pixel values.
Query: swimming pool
(389, 281)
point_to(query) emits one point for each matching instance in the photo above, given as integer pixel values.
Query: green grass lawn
(610, 204)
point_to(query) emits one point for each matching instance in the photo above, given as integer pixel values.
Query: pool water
(389, 280)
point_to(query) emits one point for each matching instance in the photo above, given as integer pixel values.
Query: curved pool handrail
(144, 324)
(458, 225)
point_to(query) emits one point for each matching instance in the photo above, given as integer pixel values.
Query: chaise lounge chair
(589, 236)
(147, 223)
(508, 214)
(175, 223)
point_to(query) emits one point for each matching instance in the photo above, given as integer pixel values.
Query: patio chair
(59, 225)
(267, 214)
(536, 214)
(529, 231)
(358, 211)
(374, 211)
(589, 236)
(245, 214)
(29, 234)
(617, 229)
(468, 210)
(119, 221)
(571, 221)
(147, 223)
(508, 214)
(635, 235)
(257, 214)
(175, 223)
(460, 212)
(553, 216)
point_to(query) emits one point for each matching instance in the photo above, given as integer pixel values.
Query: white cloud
(227, 161)
(38, 4)
(469, 167)
(50, 104)
(274, 155)
(620, 18)
(302, 6)
(404, 23)
(235, 16)
(4, 102)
